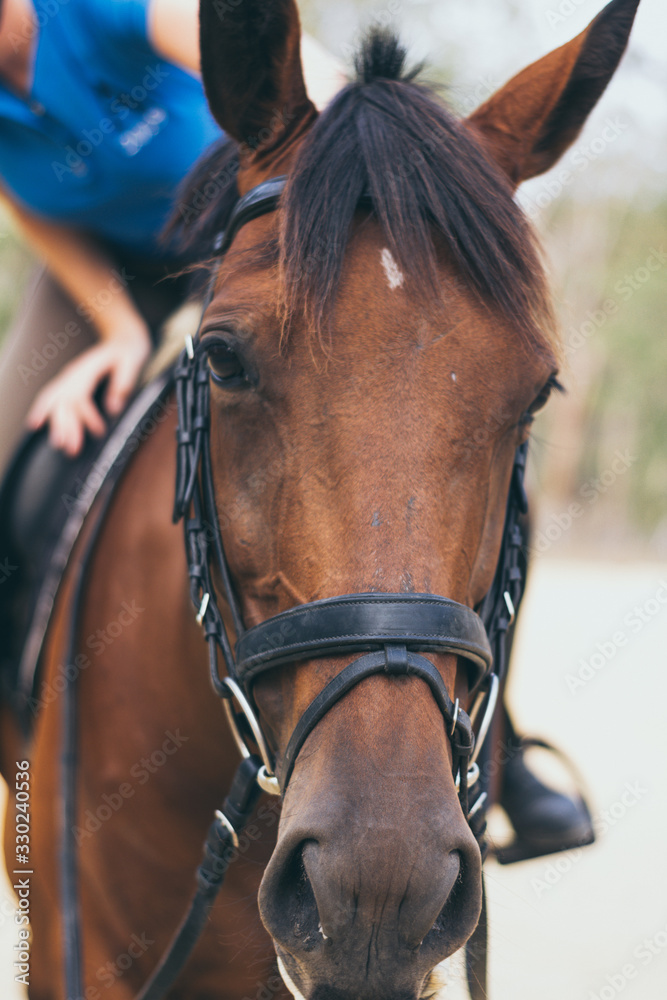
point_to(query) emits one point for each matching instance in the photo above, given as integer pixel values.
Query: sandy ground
(591, 676)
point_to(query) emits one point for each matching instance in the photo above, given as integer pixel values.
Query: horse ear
(530, 122)
(251, 68)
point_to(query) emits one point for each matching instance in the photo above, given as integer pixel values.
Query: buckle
(202, 608)
(228, 826)
(510, 607)
(491, 698)
(266, 778)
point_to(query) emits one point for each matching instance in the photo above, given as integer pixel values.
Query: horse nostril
(296, 922)
(461, 910)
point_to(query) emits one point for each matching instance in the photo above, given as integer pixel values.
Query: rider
(101, 115)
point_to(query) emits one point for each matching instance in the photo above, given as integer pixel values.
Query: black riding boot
(545, 821)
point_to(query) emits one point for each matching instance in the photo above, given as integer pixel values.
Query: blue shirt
(110, 128)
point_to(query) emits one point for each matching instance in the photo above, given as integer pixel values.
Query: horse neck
(138, 627)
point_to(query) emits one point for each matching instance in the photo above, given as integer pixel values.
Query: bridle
(392, 632)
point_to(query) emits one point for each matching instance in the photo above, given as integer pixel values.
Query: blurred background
(602, 215)
(586, 925)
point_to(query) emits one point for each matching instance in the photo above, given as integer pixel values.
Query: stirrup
(522, 847)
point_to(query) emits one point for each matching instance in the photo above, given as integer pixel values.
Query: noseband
(393, 631)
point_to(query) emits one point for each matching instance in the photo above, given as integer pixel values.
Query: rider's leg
(46, 334)
(543, 819)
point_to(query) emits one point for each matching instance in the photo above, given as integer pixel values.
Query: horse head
(377, 347)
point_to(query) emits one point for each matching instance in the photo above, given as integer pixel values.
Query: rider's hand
(66, 402)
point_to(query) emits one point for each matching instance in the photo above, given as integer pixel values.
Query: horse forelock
(432, 186)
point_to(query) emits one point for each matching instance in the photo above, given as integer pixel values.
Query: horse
(374, 347)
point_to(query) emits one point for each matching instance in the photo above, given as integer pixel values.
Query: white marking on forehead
(288, 981)
(395, 276)
(453, 376)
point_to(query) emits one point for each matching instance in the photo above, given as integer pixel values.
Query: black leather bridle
(393, 632)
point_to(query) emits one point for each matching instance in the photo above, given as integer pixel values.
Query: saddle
(44, 500)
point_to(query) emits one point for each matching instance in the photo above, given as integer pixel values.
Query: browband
(260, 200)
(256, 202)
(361, 622)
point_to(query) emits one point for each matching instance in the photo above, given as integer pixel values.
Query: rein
(391, 631)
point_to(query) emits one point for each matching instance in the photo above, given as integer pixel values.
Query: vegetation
(605, 230)
(15, 263)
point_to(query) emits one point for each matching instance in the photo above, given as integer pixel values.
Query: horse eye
(225, 366)
(551, 385)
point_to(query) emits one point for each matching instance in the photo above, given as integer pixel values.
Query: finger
(35, 419)
(66, 430)
(91, 417)
(39, 411)
(121, 383)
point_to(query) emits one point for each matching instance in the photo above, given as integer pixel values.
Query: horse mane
(204, 201)
(432, 188)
